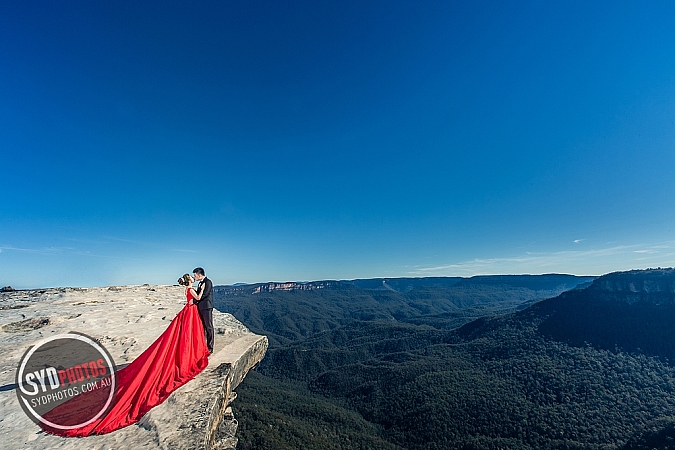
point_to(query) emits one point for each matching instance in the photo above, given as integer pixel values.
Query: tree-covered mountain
(288, 312)
(631, 311)
(552, 375)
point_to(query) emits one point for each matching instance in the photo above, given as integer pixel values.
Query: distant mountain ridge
(405, 284)
(286, 312)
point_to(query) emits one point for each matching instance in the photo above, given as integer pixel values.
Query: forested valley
(529, 362)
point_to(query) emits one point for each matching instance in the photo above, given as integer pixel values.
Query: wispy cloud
(106, 246)
(128, 241)
(87, 241)
(600, 260)
(51, 248)
(60, 251)
(40, 250)
(576, 241)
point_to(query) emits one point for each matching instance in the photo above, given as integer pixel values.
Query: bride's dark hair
(184, 280)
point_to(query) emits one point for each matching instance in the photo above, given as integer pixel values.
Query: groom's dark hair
(198, 270)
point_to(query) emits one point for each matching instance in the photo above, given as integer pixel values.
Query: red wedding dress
(175, 358)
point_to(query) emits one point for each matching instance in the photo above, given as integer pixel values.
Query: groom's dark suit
(205, 308)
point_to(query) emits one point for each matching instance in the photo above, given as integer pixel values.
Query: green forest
(481, 364)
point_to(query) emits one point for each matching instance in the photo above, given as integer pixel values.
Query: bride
(177, 356)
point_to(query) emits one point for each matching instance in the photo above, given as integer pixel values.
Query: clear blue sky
(304, 140)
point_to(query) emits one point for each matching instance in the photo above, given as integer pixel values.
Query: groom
(205, 304)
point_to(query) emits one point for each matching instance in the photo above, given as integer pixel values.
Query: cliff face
(126, 320)
(637, 281)
(294, 286)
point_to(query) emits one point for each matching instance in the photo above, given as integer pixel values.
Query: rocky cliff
(246, 289)
(637, 281)
(294, 286)
(126, 320)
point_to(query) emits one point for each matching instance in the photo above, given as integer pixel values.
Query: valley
(489, 362)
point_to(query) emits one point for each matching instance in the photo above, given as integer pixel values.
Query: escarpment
(126, 320)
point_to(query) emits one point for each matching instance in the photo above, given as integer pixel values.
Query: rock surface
(126, 320)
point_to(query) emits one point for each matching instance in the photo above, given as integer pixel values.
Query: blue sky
(305, 140)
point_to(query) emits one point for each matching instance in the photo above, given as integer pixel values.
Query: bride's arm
(195, 295)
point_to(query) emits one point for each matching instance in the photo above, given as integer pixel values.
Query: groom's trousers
(207, 320)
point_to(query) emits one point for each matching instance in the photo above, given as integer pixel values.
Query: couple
(203, 298)
(178, 355)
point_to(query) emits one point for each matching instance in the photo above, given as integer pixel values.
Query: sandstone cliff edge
(126, 320)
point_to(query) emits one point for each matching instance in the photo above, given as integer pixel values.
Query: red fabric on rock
(176, 357)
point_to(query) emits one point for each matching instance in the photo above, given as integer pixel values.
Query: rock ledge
(126, 320)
